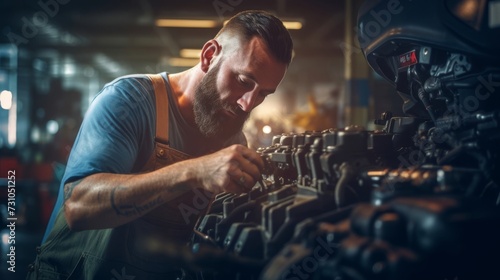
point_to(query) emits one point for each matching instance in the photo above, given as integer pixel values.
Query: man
(119, 203)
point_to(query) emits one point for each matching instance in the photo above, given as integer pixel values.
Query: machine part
(417, 199)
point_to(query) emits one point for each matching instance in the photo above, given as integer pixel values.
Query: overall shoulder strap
(161, 108)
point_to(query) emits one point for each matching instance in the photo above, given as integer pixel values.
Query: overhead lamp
(296, 24)
(292, 25)
(210, 23)
(187, 23)
(6, 99)
(183, 62)
(190, 53)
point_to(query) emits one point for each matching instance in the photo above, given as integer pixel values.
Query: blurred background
(55, 56)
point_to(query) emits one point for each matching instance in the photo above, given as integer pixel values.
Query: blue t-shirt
(118, 131)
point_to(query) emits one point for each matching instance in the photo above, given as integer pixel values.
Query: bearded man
(149, 144)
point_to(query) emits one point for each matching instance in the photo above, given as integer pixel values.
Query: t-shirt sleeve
(112, 131)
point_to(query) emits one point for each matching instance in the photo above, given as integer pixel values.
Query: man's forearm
(107, 200)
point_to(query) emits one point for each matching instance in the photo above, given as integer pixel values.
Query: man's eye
(244, 82)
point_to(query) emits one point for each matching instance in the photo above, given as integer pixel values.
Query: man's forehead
(253, 58)
(253, 54)
(255, 51)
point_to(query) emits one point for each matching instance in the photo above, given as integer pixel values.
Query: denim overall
(141, 249)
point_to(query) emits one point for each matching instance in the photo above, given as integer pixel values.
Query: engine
(418, 198)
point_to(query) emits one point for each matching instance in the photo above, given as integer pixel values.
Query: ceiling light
(208, 23)
(6, 99)
(292, 24)
(288, 24)
(190, 23)
(183, 62)
(190, 53)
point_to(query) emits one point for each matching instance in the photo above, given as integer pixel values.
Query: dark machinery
(417, 199)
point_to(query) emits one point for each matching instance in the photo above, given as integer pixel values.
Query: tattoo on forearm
(132, 209)
(69, 187)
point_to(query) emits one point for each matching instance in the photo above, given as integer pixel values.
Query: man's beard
(208, 110)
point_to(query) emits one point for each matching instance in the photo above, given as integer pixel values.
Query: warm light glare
(292, 24)
(189, 23)
(6, 99)
(288, 24)
(468, 9)
(190, 53)
(183, 62)
(377, 173)
(267, 129)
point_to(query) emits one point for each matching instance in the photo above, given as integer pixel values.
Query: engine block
(357, 204)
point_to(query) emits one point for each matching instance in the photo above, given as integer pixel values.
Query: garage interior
(56, 55)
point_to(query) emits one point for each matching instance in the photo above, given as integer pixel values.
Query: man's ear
(208, 53)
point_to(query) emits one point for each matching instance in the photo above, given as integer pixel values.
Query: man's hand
(234, 169)
(104, 200)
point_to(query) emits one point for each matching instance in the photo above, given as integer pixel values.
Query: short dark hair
(266, 26)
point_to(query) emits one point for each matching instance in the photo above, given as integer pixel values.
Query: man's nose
(247, 101)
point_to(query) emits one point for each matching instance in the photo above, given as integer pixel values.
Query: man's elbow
(73, 217)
